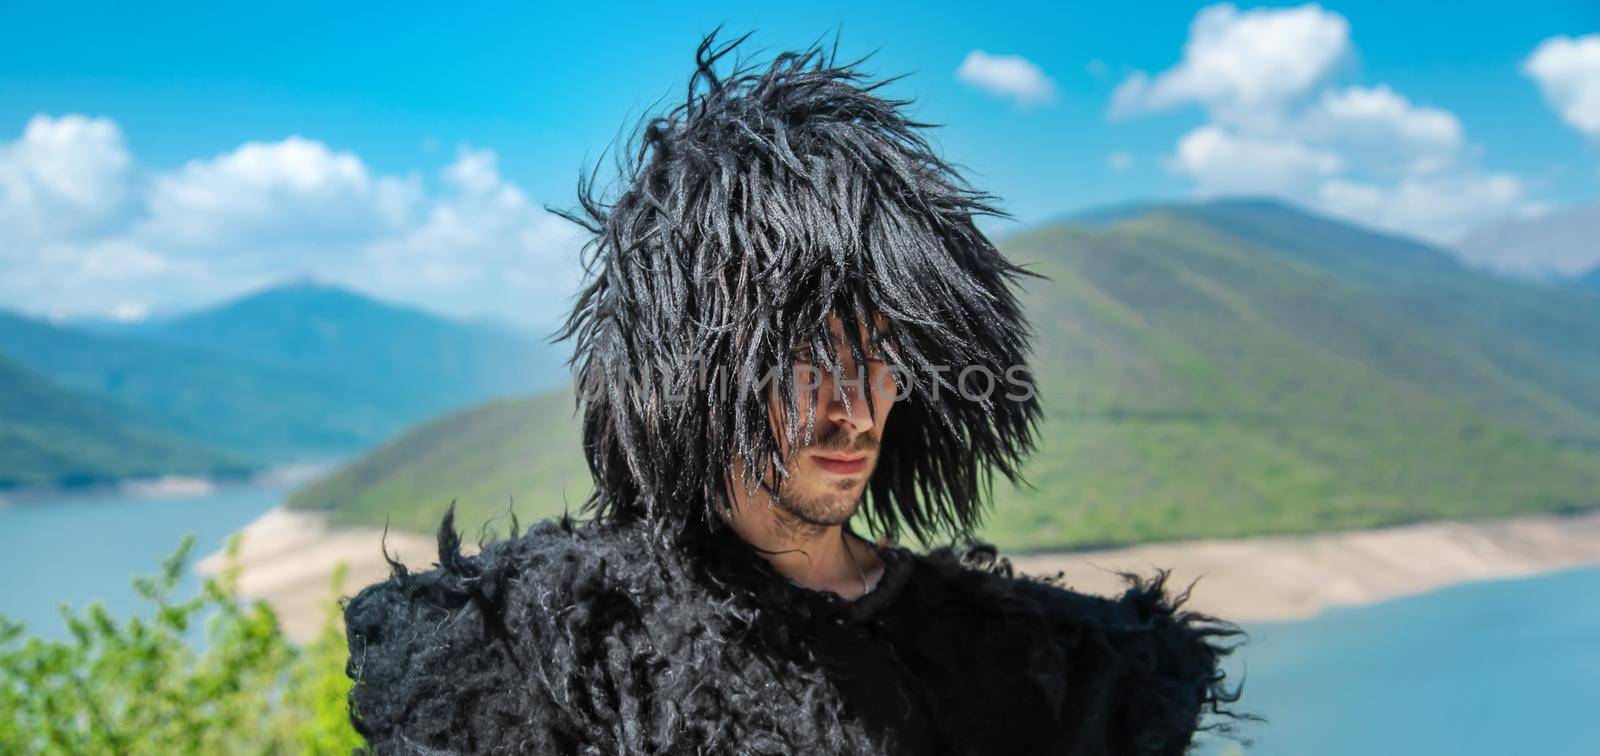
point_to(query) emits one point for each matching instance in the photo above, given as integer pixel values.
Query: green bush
(138, 687)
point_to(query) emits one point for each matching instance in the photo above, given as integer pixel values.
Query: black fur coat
(590, 639)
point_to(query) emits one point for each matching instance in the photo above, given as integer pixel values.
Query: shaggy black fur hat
(775, 195)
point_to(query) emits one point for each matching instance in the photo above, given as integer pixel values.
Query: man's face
(828, 476)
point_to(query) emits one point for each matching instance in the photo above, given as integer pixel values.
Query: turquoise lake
(80, 549)
(1501, 667)
(1496, 668)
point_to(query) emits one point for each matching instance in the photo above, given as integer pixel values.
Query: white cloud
(64, 276)
(1441, 207)
(1278, 126)
(1221, 162)
(64, 176)
(275, 192)
(1380, 113)
(1236, 62)
(1010, 76)
(105, 239)
(130, 312)
(1383, 130)
(484, 230)
(115, 259)
(1120, 161)
(1568, 72)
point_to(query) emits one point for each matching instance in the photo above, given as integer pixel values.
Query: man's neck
(818, 557)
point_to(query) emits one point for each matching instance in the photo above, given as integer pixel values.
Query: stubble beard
(833, 506)
(809, 505)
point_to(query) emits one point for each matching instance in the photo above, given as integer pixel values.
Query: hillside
(235, 404)
(301, 370)
(1238, 368)
(522, 452)
(429, 362)
(1220, 369)
(52, 437)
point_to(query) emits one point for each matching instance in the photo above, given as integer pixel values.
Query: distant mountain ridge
(1210, 369)
(1562, 243)
(252, 408)
(53, 437)
(295, 371)
(337, 334)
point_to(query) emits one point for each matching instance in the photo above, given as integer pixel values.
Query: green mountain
(1217, 369)
(300, 370)
(236, 404)
(427, 362)
(1243, 367)
(50, 436)
(512, 453)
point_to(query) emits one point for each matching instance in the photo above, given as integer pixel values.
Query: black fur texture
(604, 639)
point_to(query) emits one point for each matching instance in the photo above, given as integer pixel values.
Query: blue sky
(160, 159)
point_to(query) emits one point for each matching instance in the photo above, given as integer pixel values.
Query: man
(790, 323)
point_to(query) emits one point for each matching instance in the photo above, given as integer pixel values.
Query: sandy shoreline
(288, 558)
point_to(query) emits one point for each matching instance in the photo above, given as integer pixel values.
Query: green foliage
(138, 687)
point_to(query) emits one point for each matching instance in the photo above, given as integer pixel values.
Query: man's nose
(852, 387)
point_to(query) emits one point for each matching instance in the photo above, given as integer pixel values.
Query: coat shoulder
(438, 658)
(1131, 673)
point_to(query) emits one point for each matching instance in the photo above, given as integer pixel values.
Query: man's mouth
(842, 464)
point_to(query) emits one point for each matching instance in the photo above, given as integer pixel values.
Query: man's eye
(806, 355)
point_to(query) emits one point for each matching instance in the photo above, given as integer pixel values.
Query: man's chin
(822, 510)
